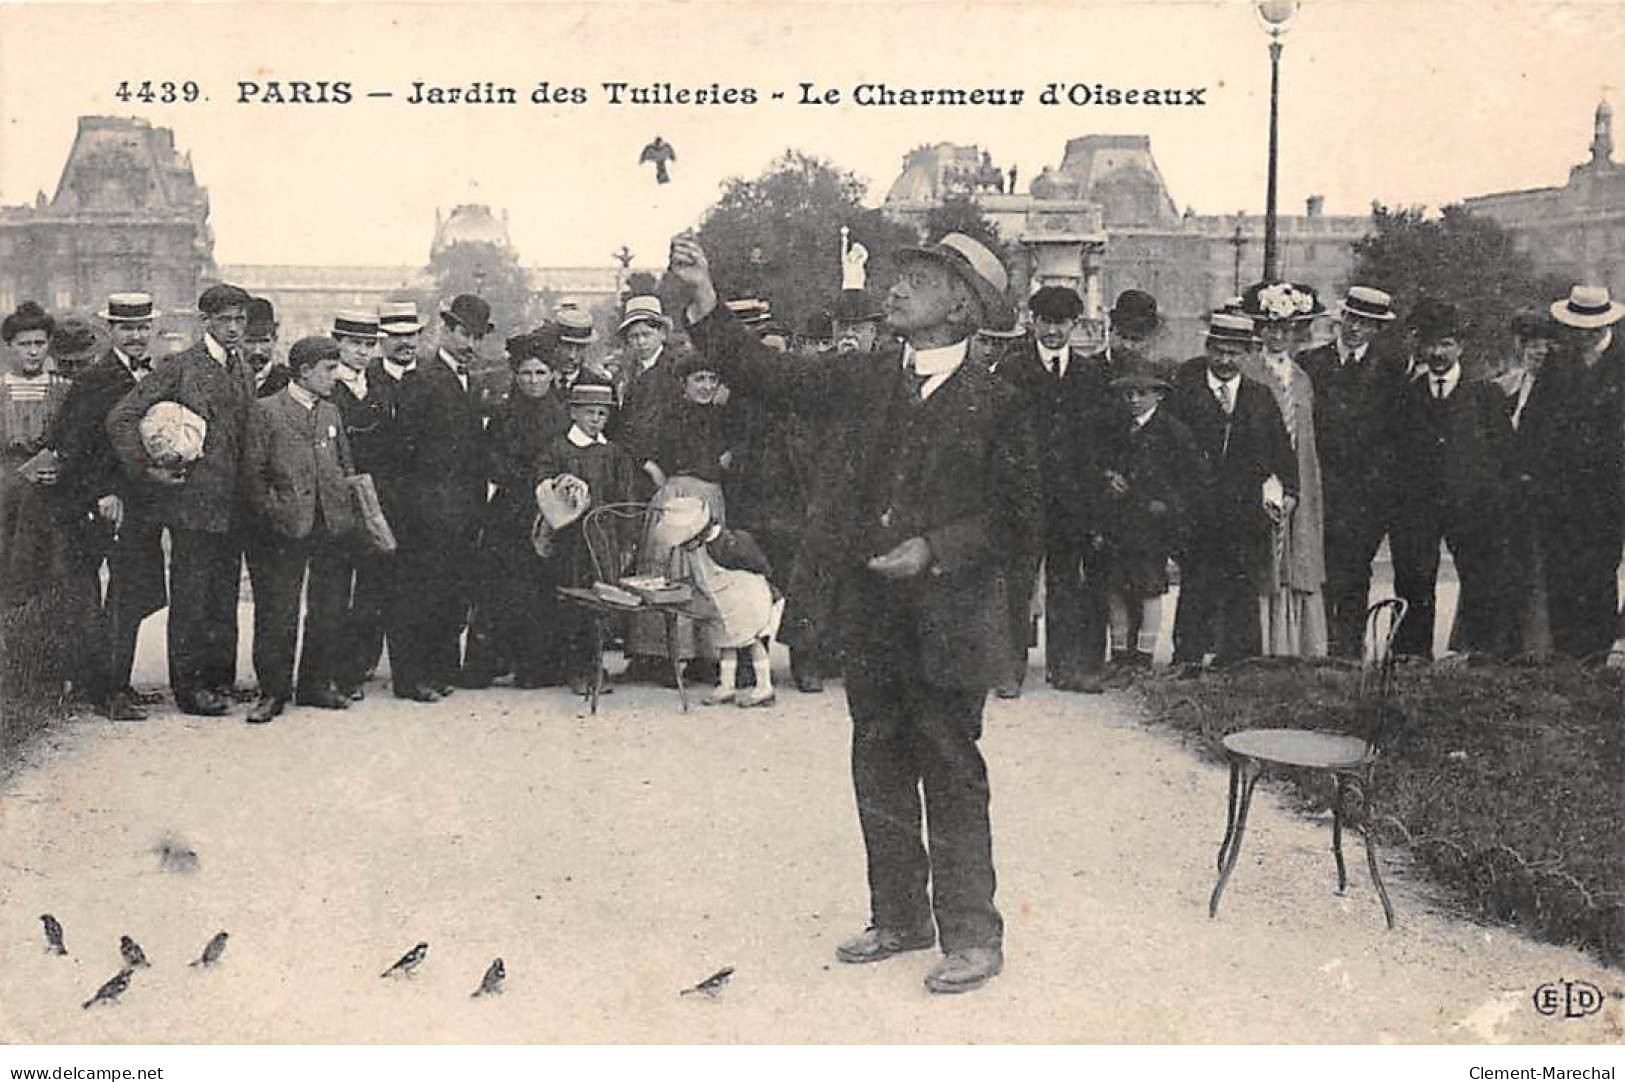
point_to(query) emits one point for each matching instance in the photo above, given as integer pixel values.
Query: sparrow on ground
(491, 983)
(109, 992)
(134, 957)
(409, 961)
(712, 986)
(53, 934)
(211, 953)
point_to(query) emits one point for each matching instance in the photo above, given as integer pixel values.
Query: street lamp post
(1275, 15)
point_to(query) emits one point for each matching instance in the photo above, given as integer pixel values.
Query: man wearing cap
(1356, 378)
(573, 336)
(259, 346)
(294, 469)
(650, 386)
(1454, 438)
(857, 322)
(936, 483)
(1252, 477)
(1067, 401)
(202, 509)
(1586, 530)
(120, 525)
(442, 459)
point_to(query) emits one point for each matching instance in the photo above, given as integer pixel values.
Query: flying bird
(109, 992)
(712, 986)
(659, 152)
(53, 934)
(211, 953)
(491, 983)
(409, 961)
(134, 957)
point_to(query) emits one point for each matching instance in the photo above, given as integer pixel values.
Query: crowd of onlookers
(1269, 471)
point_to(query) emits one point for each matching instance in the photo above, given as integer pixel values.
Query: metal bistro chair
(1350, 760)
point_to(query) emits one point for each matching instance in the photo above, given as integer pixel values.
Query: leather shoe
(441, 689)
(810, 683)
(1008, 690)
(354, 692)
(878, 944)
(417, 693)
(965, 970)
(119, 707)
(325, 698)
(267, 708)
(143, 698)
(207, 704)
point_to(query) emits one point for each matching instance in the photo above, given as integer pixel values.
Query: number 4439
(166, 92)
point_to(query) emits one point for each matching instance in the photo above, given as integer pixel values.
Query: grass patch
(1507, 785)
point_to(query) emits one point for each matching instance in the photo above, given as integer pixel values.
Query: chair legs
(1244, 774)
(1368, 833)
(1337, 836)
(1229, 814)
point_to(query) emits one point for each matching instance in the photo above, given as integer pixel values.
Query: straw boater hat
(680, 520)
(355, 324)
(1368, 303)
(751, 311)
(592, 394)
(128, 308)
(975, 265)
(643, 310)
(1231, 327)
(398, 317)
(573, 325)
(1588, 307)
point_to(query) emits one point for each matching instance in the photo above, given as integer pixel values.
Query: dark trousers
(1582, 584)
(203, 579)
(1476, 542)
(283, 563)
(434, 591)
(1021, 579)
(1353, 532)
(1218, 604)
(909, 736)
(1074, 610)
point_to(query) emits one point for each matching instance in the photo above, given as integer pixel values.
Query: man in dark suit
(1453, 437)
(201, 507)
(1253, 475)
(938, 483)
(259, 346)
(378, 613)
(1586, 531)
(112, 514)
(294, 467)
(442, 499)
(1357, 379)
(1067, 398)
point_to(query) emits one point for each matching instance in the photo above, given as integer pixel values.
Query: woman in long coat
(1292, 606)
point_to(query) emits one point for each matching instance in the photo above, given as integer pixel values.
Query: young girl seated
(729, 574)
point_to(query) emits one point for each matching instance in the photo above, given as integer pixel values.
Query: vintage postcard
(758, 523)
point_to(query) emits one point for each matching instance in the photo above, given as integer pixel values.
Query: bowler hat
(1135, 313)
(1530, 323)
(1433, 319)
(218, 298)
(592, 394)
(261, 318)
(1055, 303)
(128, 308)
(399, 317)
(311, 350)
(1588, 307)
(975, 265)
(854, 306)
(469, 312)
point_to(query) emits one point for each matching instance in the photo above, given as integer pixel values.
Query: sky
(1406, 103)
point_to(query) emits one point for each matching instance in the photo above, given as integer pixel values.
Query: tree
(1460, 257)
(962, 214)
(493, 273)
(779, 236)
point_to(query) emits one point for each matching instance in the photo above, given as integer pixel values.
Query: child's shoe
(758, 697)
(718, 696)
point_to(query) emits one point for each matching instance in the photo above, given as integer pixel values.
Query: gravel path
(613, 860)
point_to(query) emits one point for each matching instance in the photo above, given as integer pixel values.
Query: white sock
(759, 662)
(727, 669)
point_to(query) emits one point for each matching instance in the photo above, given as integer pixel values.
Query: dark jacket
(209, 499)
(1068, 416)
(295, 465)
(650, 397)
(958, 469)
(442, 457)
(90, 466)
(520, 431)
(1354, 406)
(1166, 477)
(1257, 446)
(1454, 453)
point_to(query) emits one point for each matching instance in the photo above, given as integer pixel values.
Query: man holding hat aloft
(442, 495)
(126, 529)
(201, 507)
(1067, 405)
(1356, 379)
(1453, 436)
(294, 470)
(936, 483)
(1586, 530)
(1252, 477)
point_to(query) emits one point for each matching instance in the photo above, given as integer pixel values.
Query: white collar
(397, 371)
(1450, 377)
(644, 366)
(1045, 354)
(1602, 346)
(355, 380)
(1233, 383)
(1143, 419)
(936, 365)
(301, 395)
(216, 350)
(129, 363)
(1345, 355)
(581, 439)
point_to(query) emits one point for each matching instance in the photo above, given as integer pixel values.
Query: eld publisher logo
(1568, 999)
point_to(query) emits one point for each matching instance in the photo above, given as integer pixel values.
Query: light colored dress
(1293, 614)
(742, 600)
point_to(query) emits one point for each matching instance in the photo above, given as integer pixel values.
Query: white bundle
(173, 435)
